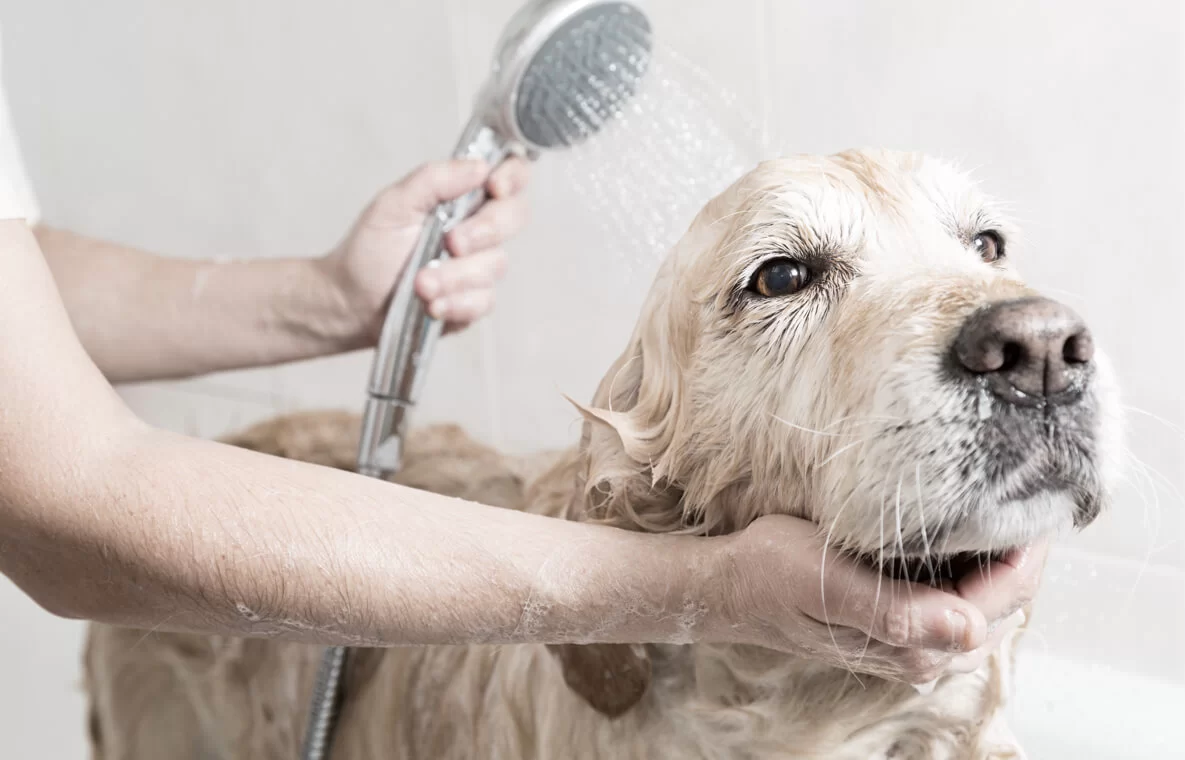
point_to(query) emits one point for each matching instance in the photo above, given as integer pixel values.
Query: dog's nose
(1031, 350)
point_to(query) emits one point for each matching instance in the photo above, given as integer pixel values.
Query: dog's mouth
(938, 570)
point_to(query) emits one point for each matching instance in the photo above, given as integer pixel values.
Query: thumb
(437, 182)
(895, 612)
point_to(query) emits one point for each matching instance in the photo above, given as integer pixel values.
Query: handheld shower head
(562, 70)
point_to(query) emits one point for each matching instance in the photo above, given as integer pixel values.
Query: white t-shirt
(17, 200)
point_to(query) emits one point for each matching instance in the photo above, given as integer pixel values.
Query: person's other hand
(780, 594)
(365, 266)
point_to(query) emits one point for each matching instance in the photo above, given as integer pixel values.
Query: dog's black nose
(1031, 350)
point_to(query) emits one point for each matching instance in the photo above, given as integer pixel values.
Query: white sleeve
(17, 200)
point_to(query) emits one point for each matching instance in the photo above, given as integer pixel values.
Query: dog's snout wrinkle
(1032, 351)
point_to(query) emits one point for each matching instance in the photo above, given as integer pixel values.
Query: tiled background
(260, 128)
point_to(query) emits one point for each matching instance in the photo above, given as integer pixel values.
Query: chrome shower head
(563, 68)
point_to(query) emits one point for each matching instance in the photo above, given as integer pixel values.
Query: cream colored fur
(830, 405)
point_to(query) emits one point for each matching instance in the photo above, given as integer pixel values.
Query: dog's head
(847, 339)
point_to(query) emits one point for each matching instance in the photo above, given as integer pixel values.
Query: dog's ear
(612, 678)
(633, 429)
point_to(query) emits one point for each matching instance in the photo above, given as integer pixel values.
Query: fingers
(456, 276)
(509, 178)
(894, 612)
(1003, 587)
(922, 667)
(496, 222)
(970, 661)
(436, 182)
(463, 309)
(428, 186)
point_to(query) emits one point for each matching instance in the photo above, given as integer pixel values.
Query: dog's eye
(780, 277)
(989, 245)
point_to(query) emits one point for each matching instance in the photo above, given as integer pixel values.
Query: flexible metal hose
(318, 735)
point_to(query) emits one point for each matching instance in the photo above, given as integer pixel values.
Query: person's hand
(781, 594)
(365, 266)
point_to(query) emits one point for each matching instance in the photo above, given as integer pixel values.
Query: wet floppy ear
(629, 446)
(612, 678)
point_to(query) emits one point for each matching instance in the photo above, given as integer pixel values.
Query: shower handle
(409, 333)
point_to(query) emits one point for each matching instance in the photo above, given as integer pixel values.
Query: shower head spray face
(566, 67)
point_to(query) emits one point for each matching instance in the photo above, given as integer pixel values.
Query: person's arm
(147, 317)
(106, 519)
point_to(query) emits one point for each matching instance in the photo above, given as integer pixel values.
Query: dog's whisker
(840, 451)
(899, 535)
(862, 419)
(880, 579)
(1156, 417)
(1149, 505)
(918, 499)
(824, 432)
(789, 424)
(1150, 500)
(823, 595)
(1155, 475)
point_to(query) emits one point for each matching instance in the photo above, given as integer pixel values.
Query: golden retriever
(841, 338)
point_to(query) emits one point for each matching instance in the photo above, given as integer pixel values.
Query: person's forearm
(104, 518)
(146, 317)
(137, 532)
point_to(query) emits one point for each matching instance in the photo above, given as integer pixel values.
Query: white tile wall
(260, 129)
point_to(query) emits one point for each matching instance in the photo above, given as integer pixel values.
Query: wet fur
(830, 405)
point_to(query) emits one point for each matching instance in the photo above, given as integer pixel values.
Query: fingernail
(1015, 619)
(959, 627)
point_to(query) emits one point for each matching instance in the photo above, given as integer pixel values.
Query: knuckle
(897, 626)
